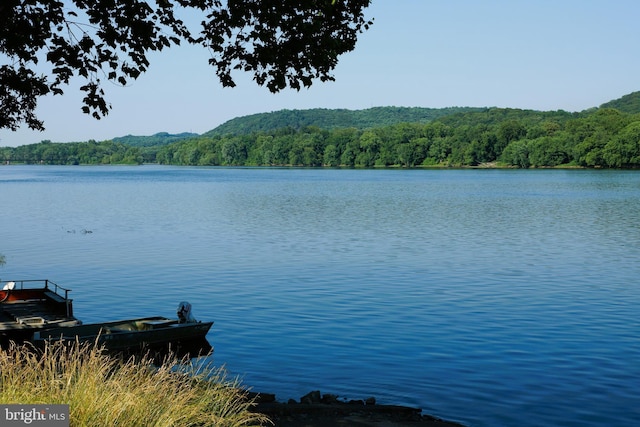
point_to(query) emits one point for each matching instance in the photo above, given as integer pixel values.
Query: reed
(102, 390)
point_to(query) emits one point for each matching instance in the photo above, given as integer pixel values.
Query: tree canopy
(629, 103)
(493, 137)
(333, 118)
(46, 43)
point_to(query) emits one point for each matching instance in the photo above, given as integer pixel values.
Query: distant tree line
(629, 103)
(74, 153)
(603, 138)
(161, 138)
(330, 119)
(599, 138)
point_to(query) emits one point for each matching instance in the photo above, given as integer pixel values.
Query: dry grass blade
(102, 390)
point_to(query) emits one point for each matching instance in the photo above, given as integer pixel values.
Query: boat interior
(27, 314)
(138, 325)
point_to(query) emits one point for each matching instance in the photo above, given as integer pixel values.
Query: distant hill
(604, 137)
(627, 104)
(493, 116)
(333, 118)
(329, 119)
(159, 139)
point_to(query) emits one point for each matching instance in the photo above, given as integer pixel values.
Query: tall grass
(106, 391)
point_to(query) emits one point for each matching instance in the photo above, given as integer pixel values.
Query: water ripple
(495, 298)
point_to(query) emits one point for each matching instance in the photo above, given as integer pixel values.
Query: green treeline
(161, 138)
(629, 103)
(604, 138)
(333, 119)
(74, 153)
(598, 138)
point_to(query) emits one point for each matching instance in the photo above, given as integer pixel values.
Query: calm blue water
(490, 297)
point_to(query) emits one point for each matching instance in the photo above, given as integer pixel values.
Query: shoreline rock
(315, 409)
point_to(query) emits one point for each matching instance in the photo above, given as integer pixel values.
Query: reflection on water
(488, 297)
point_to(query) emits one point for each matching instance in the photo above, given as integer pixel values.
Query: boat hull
(131, 335)
(40, 311)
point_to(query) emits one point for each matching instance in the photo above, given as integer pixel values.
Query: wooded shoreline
(605, 137)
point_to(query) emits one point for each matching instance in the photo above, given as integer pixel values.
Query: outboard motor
(184, 313)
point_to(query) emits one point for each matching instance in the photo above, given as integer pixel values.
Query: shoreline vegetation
(106, 390)
(102, 390)
(607, 137)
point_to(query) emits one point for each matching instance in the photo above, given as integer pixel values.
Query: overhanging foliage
(46, 43)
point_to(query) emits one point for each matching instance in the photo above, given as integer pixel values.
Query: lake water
(489, 297)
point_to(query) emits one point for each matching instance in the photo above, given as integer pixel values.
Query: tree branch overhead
(282, 43)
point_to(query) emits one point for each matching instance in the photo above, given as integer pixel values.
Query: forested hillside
(495, 137)
(333, 119)
(604, 138)
(160, 138)
(627, 104)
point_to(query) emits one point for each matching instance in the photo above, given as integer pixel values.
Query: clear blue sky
(543, 54)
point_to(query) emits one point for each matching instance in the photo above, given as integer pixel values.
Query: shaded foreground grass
(107, 391)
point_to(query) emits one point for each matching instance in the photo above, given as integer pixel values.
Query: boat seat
(164, 322)
(120, 328)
